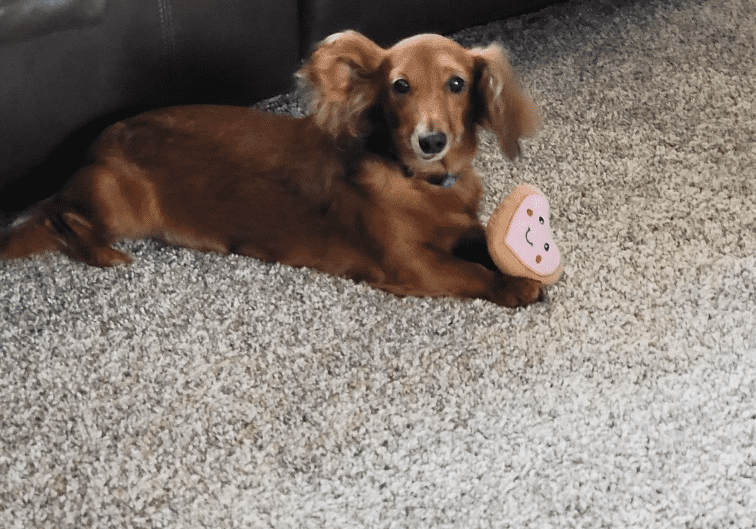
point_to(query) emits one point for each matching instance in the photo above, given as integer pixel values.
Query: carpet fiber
(196, 390)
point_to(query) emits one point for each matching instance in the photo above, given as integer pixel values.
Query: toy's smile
(526, 237)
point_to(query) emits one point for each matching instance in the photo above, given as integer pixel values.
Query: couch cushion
(58, 90)
(386, 21)
(26, 19)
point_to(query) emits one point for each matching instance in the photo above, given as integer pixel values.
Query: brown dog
(376, 184)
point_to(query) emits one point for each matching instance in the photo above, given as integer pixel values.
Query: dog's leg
(516, 291)
(30, 234)
(510, 291)
(436, 273)
(96, 208)
(472, 246)
(84, 242)
(66, 231)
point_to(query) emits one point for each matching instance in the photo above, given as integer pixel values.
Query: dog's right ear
(342, 82)
(501, 104)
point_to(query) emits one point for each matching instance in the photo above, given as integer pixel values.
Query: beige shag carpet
(193, 390)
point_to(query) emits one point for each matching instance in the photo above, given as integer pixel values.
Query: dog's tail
(31, 233)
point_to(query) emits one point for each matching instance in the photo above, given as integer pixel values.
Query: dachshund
(375, 183)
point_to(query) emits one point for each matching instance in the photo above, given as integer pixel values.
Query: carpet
(196, 390)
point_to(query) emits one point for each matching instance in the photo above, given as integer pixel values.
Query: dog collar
(445, 181)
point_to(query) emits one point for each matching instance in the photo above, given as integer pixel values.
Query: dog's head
(430, 92)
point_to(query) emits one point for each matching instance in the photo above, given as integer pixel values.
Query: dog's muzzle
(430, 146)
(433, 143)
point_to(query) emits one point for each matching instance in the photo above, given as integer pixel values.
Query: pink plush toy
(519, 237)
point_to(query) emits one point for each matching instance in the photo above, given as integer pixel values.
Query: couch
(71, 67)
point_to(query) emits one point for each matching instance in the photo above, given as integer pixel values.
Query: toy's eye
(456, 84)
(540, 219)
(546, 247)
(401, 86)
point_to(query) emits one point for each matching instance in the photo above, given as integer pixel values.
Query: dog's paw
(518, 291)
(107, 256)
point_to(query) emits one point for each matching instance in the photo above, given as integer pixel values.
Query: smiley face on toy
(519, 237)
(530, 237)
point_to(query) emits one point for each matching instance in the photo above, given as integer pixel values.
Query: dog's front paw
(518, 291)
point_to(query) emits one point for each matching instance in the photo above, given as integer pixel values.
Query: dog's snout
(432, 143)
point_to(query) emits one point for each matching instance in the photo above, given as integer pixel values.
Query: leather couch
(71, 67)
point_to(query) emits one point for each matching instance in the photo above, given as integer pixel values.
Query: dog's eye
(456, 84)
(401, 86)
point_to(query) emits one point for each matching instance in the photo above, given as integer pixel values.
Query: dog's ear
(341, 78)
(500, 104)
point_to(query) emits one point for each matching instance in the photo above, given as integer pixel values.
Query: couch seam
(165, 11)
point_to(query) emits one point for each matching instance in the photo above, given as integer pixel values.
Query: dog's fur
(375, 184)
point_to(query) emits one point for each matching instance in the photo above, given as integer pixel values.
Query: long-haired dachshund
(375, 184)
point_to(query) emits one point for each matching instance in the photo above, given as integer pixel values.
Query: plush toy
(519, 237)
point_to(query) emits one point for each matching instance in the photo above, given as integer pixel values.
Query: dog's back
(207, 177)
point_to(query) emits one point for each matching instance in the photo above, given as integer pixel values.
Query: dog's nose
(433, 143)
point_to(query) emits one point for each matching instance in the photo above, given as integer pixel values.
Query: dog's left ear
(341, 78)
(500, 103)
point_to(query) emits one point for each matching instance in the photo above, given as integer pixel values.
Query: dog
(375, 183)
